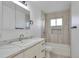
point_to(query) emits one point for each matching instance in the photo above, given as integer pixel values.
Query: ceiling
(51, 6)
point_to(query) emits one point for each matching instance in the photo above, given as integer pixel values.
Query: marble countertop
(17, 47)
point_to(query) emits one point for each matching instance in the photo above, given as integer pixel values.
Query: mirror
(22, 18)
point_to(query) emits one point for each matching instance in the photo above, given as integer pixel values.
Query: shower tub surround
(11, 49)
(55, 50)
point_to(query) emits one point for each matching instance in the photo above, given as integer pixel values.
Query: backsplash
(8, 36)
(13, 34)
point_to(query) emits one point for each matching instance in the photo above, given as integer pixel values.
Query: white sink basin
(23, 43)
(8, 46)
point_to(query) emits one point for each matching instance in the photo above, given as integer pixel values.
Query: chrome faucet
(21, 37)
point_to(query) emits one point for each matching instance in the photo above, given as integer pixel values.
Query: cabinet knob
(43, 50)
(35, 57)
(43, 43)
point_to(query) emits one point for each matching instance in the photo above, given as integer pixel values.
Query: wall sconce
(28, 24)
(31, 22)
(23, 2)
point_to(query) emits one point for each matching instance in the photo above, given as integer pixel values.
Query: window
(53, 22)
(56, 22)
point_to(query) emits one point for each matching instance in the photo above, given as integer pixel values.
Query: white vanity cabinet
(36, 51)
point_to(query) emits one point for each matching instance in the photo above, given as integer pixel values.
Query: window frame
(56, 22)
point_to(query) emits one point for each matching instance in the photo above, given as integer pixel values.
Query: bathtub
(59, 49)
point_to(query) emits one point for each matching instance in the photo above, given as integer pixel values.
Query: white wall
(75, 13)
(35, 13)
(75, 32)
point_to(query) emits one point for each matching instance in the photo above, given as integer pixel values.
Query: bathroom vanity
(30, 48)
(36, 51)
(13, 17)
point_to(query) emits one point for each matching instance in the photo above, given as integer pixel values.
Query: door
(56, 32)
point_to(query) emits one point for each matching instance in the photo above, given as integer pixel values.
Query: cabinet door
(36, 51)
(19, 55)
(8, 16)
(40, 50)
(30, 53)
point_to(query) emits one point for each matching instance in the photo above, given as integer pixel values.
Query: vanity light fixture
(31, 22)
(24, 2)
(28, 24)
(22, 5)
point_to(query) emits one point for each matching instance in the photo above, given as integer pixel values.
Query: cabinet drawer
(30, 53)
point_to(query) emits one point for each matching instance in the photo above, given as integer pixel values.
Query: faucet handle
(21, 35)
